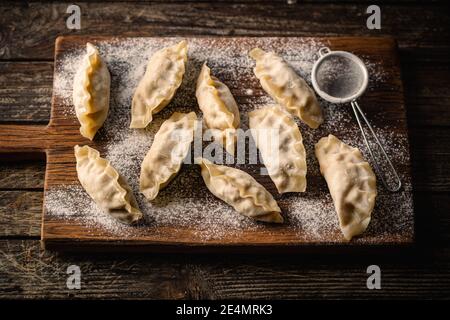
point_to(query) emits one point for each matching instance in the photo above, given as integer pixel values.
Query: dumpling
(220, 110)
(104, 184)
(91, 92)
(169, 148)
(281, 145)
(288, 89)
(351, 182)
(241, 191)
(161, 80)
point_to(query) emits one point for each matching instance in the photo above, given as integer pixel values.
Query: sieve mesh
(339, 76)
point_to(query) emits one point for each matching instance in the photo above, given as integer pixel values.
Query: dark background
(27, 37)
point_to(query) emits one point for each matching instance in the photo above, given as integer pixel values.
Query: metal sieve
(341, 77)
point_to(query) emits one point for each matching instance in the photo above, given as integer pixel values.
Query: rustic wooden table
(27, 37)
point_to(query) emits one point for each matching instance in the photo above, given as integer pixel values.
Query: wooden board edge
(62, 244)
(62, 38)
(114, 246)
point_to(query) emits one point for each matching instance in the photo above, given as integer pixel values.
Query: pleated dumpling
(286, 87)
(220, 110)
(161, 80)
(281, 145)
(106, 186)
(351, 181)
(241, 191)
(169, 148)
(91, 87)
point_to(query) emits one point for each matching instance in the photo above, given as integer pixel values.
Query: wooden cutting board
(393, 219)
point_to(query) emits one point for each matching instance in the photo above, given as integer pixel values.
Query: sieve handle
(358, 112)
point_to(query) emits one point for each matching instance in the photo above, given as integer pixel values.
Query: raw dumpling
(281, 145)
(161, 80)
(169, 148)
(288, 89)
(220, 110)
(104, 184)
(91, 92)
(351, 182)
(241, 191)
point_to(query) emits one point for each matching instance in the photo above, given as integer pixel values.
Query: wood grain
(23, 266)
(214, 18)
(59, 137)
(428, 93)
(26, 88)
(429, 151)
(432, 219)
(25, 91)
(20, 213)
(22, 175)
(431, 146)
(24, 138)
(28, 273)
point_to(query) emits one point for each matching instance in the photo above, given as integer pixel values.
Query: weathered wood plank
(427, 92)
(432, 219)
(22, 175)
(20, 213)
(435, 54)
(163, 19)
(428, 111)
(193, 277)
(426, 79)
(24, 138)
(25, 91)
(430, 153)
(25, 272)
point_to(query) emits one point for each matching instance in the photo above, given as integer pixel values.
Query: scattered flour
(186, 201)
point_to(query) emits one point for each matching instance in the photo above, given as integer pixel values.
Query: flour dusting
(186, 202)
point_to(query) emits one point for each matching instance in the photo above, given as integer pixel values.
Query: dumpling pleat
(105, 186)
(351, 181)
(286, 87)
(91, 93)
(241, 191)
(169, 148)
(220, 110)
(285, 159)
(162, 78)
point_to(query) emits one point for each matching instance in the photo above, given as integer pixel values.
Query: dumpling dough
(281, 145)
(169, 148)
(351, 182)
(241, 191)
(288, 89)
(161, 80)
(220, 110)
(91, 87)
(104, 184)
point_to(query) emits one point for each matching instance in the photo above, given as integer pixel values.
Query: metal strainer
(341, 77)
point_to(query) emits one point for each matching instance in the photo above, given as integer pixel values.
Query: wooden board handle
(23, 138)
